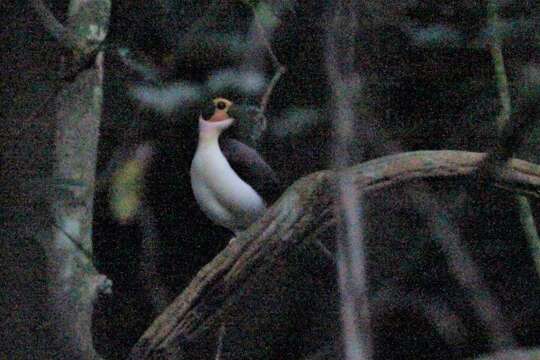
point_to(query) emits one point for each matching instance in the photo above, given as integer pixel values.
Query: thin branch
(464, 269)
(511, 133)
(270, 88)
(435, 309)
(264, 39)
(280, 68)
(326, 352)
(55, 28)
(75, 242)
(498, 63)
(220, 342)
(503, 121)
(526, 218)
(324, 250)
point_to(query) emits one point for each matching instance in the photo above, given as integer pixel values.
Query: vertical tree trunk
(73, 280)
(49, 282)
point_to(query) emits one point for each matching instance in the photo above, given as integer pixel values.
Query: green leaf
(266, 15)
(127, 190)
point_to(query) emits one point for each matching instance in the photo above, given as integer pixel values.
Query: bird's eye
(221, 105)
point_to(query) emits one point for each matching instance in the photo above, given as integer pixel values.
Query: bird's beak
(211, 114)
(219, 116)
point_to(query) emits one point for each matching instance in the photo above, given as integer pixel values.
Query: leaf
(265, 13)
(437, 35)
(247, 82)
(168, 98)
(127, 185)
(140, 65)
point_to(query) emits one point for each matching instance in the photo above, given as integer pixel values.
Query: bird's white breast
(222, 195)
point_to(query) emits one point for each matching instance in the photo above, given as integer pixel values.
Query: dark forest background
(427, 83)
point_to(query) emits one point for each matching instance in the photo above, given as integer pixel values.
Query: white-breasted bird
(231, 182)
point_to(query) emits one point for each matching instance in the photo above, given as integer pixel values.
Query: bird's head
(244, 123)
(215, 116)
(217, 110)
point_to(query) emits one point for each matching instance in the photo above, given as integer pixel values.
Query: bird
(231, 182)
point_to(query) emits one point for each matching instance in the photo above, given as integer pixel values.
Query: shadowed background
(428, 83)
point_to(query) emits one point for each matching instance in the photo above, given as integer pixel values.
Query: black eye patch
(208, 111)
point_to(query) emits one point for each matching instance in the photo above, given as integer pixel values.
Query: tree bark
(243, 302)
(73, 281)
(49, 185)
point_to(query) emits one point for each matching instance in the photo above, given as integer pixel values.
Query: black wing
(251, 168)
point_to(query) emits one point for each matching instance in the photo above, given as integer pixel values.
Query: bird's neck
(209, 132)
(208, 136)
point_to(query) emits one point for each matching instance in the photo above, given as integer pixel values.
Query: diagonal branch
(55, 28)
(252, 270)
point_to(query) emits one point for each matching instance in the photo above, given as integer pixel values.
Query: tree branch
(84, 33)
(258, 268)
(56, 29)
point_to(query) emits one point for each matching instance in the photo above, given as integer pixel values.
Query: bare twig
(464, 269)
(264, 39)
(75, 242)
(527, 221)
(65, 37)
(511, 133)
(503, 121)
(270, 88)
(327, 253)
(326, 352)
(221, 336)
(498, 63)
(435, 309)
(280, 68)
